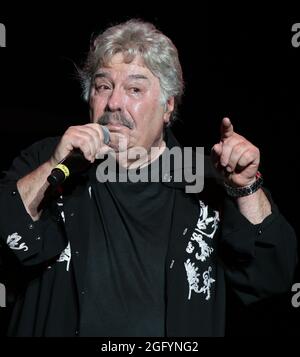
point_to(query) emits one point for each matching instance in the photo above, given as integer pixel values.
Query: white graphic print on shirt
(13, 242)
(206, 227)
(65, 255)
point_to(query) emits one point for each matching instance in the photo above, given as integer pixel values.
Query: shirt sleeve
(32, 242)
(260, 260)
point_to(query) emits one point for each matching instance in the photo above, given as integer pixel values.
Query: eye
(102, 87)
(134, 90)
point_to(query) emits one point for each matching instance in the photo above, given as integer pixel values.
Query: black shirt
(125, 277)
(49, 302)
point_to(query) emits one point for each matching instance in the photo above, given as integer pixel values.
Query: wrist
(243, 191)
(51, 163)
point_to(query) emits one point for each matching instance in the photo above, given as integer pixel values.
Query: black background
(238, 61)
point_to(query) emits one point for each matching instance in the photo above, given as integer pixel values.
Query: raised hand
(235, 157)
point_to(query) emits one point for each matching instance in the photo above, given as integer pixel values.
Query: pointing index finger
(226, 128)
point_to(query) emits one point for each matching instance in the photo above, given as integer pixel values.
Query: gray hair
(133, 38)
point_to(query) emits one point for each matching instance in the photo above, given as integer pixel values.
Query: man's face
(129, 97)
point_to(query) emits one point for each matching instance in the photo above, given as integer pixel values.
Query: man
(137, 258)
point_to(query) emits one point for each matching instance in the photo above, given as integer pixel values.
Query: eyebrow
(138, 76)
(131, 76)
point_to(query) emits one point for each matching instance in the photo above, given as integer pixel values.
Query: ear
(169, 107)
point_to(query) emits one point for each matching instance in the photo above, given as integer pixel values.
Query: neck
(140, 158)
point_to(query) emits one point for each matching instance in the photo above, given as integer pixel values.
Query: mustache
(111, 118)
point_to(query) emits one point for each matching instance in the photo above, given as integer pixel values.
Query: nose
(115, 100)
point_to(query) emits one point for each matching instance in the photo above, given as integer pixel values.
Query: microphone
(73, 163)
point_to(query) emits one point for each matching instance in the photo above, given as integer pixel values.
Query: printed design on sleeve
(199, 250)
(13, 241)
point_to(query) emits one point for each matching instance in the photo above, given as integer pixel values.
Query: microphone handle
(73, 163)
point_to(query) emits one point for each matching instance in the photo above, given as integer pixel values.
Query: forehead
(117, 67)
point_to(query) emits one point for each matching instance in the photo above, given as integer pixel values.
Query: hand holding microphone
(77, 150)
